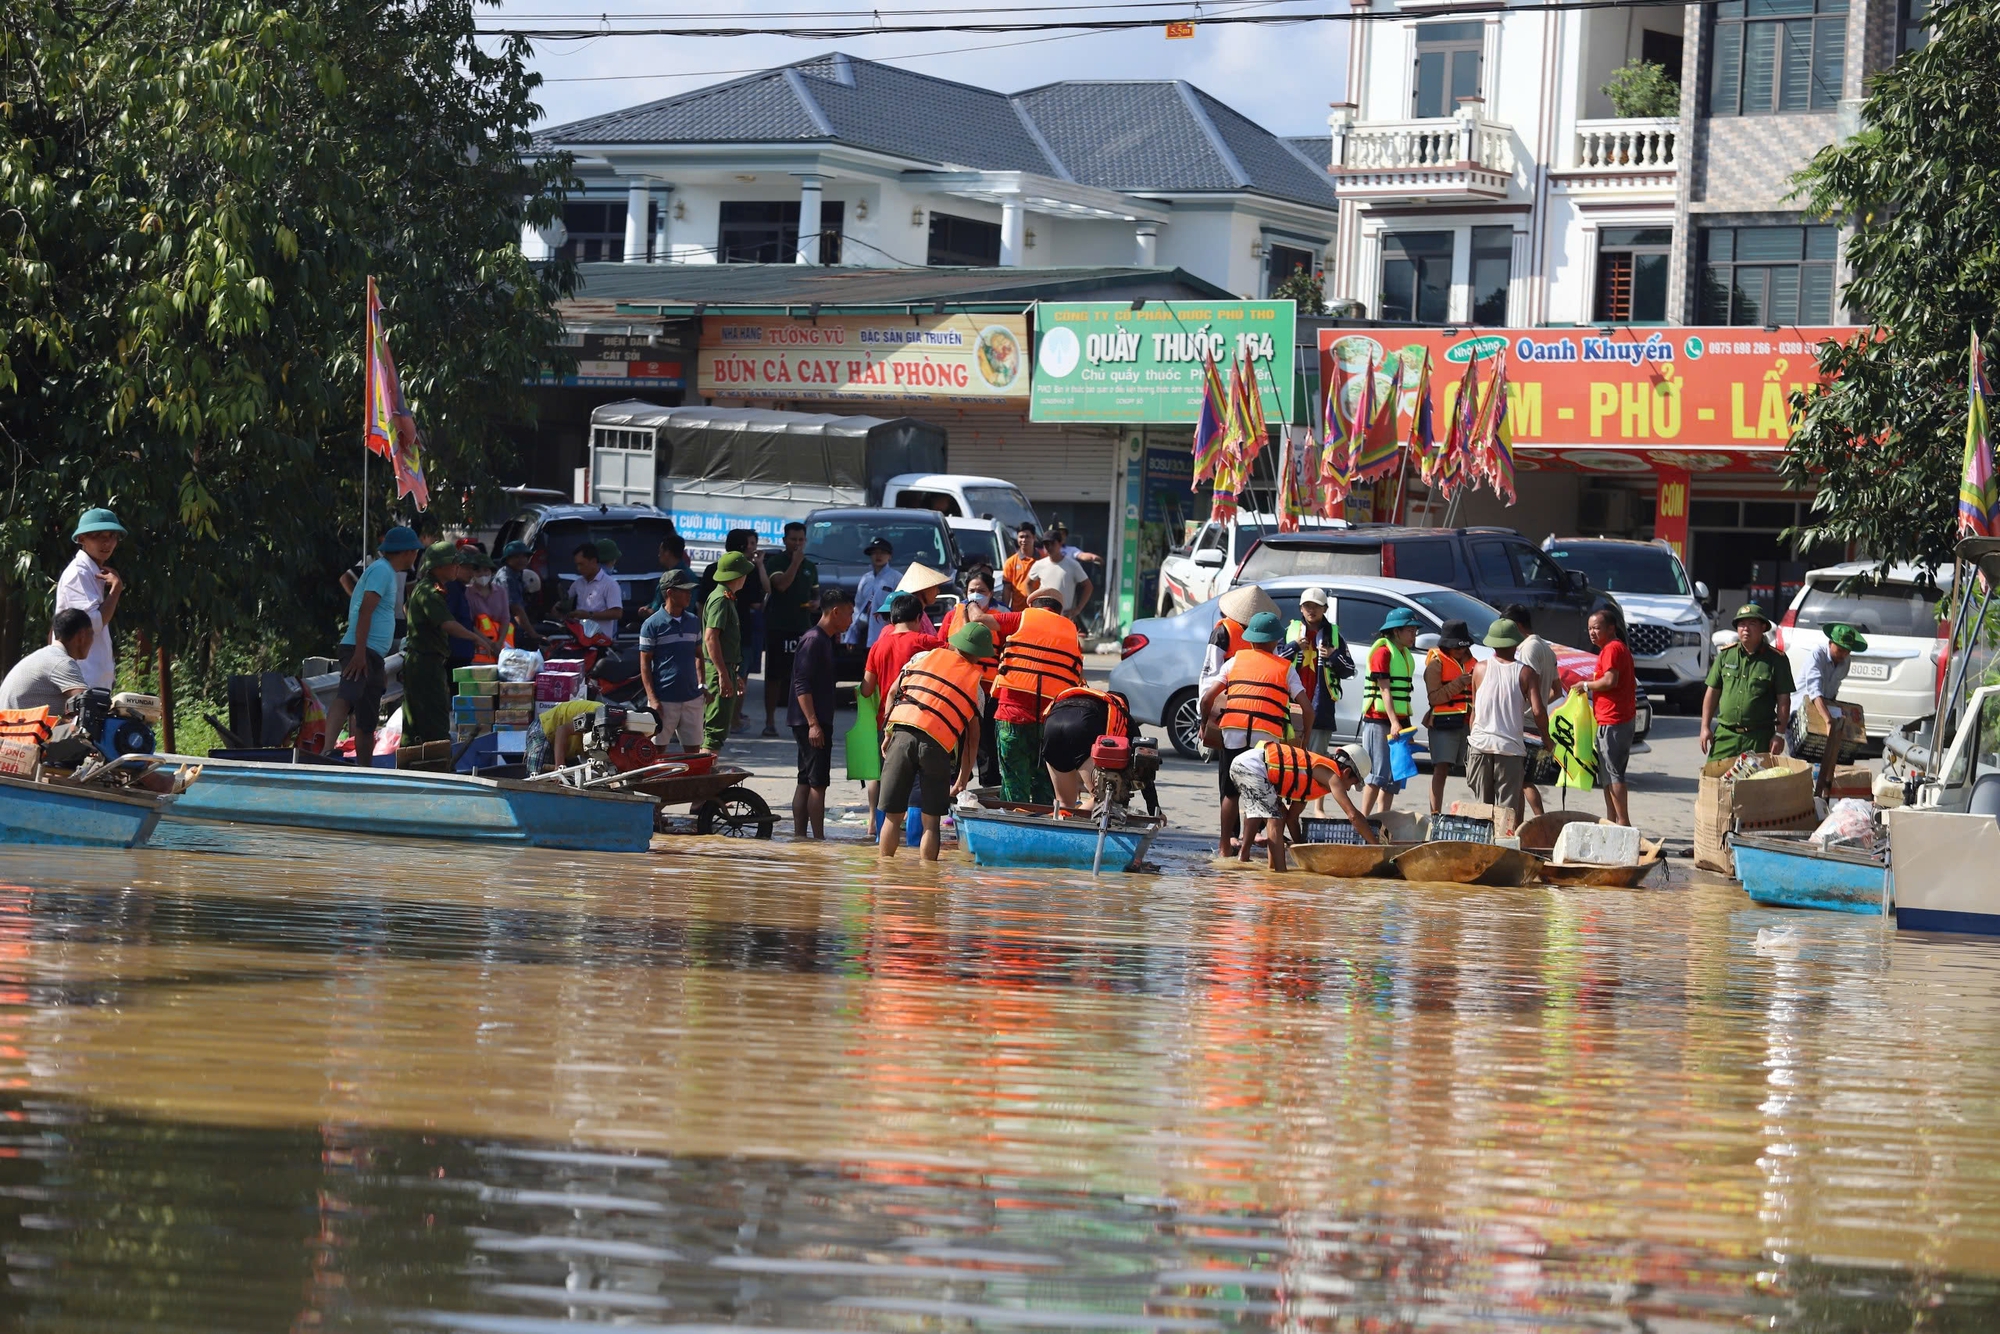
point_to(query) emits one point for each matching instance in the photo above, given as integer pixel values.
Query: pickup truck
(1192, 574)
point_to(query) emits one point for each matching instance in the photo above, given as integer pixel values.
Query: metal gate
(621, 466)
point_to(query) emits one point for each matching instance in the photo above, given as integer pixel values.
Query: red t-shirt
(891, 652)
(1620, 704)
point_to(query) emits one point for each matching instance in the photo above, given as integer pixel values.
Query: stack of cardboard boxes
(472, 706)
(1778, 799)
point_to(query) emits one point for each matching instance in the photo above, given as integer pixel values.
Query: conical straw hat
(921, 576)
(1240, 604)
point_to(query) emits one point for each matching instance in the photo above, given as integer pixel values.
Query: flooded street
(373, 1087)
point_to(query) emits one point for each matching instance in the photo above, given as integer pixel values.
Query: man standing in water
(1505, 694)
(809, 684)
(933, 715)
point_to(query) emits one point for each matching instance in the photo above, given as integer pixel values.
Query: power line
(759, 69)
(1079, 25)
(1185, 7)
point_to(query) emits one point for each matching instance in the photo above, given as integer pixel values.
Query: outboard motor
(99, 723)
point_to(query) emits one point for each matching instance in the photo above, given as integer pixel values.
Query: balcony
(1634, 156)
(1459, 159)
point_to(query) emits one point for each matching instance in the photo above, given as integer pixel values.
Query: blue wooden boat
(76, 817)
(1791, 871)
(1015, 838)
(404, 803)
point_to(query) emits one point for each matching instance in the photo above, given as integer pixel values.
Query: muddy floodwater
(345, 1085)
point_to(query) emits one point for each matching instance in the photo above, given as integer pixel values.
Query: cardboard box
(1766, 805)
(1811, 732)
(480, 672)
(1854, 780)
(18, 758)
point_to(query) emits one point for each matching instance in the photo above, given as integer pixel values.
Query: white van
(959, 495)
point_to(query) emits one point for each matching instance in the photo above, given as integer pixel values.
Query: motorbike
(612, 672)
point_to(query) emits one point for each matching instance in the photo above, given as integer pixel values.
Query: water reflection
(787, 1086)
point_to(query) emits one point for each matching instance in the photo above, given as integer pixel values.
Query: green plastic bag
(1573, 738)
(864, 741)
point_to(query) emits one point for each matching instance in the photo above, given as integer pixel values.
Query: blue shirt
(378, 578)
(672, 640)
(510, 579)
(871, 594)
(461, 611)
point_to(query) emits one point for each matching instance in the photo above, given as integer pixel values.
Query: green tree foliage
(1642, 88)
(1921, 185)
(191, 198)
(1305, 287)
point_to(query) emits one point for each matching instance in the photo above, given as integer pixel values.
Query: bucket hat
(513, 549)
(920, 577)
(1848, 638)
(972, 638)
(1402, 618)
(1240, 604)
(1750, 611)
(97, 521)
(733, 565)
(1503, 633)
(400, 539)
(1454, 634)
(1264, 628)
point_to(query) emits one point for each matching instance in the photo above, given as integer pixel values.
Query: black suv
(1495, 565)
(835, 539)
(554, 532)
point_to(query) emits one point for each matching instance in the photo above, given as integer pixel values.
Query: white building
(841, 161)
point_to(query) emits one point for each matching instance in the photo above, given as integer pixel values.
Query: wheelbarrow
(713, 792)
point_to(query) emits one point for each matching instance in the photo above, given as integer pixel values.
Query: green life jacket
(1317, 660)
(1402, 666)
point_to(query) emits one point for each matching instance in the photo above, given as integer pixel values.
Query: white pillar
(638, 196)
(810, 193)
(660, 252)
(1148, 237)
(1013, 222)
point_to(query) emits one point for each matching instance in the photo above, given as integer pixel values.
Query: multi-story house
(1485, 180)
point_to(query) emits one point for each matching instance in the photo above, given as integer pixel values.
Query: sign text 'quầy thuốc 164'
(1103, 361)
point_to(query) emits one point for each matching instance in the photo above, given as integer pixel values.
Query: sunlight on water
(758, 1083)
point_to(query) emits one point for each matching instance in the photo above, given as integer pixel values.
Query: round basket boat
(1348, 860)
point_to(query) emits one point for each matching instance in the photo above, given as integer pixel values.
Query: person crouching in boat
(1274, 782)
(1251, 704)
(933, 721)
(1077, 717)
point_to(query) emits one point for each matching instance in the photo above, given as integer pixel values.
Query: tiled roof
(1160, 136)
(1317, 148)
(600, 287)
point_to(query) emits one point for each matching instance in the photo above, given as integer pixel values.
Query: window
(1492, 265)
(1456, 606)
(1768, 275)
(1873, 609)
(1777, 56)
(596, 232)
(1914, 31)
(1427, 560)
(1281, 262)
(1632, 274)
(1514, 565)
(963, 241)
(767, 231)
(1416, 277)
(1447, 67)
(1360, 621)
(1662, 49)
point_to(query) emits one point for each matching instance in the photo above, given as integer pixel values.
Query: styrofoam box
(1597, 845)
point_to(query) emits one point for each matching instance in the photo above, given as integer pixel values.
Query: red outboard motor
(1111, 752)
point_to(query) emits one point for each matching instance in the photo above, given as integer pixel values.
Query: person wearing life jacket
(486, 599)
(1276, 780)
(1448, 692)
(1314, 645)
(1043, 658)
(933, 730)
(979, 608)
(1233, 611)
(1252, 704)
(1077, 718)
(1385, 704)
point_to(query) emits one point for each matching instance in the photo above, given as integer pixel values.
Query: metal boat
(401, 803)
(998, 837)
(76, 817)
(1792, 871)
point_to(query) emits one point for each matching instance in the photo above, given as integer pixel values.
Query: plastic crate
(1460, 829)
(1319, 829)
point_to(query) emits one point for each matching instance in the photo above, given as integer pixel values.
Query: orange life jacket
(1257, 698)
(1451, 670)
(1117, 718)
(939, 695)
(988, 667)
(1290, 769)
(1237, 643)
(502, 635)
(1043, 657)
(27, 724)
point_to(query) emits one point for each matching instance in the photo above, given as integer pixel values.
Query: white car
(982, 540)
(1896, 679)
(1665, 624)
(1207, 565)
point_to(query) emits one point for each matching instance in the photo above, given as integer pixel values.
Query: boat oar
(1103, 831)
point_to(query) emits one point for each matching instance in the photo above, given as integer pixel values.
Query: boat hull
(1943, 864)
(50, 814)
(397, 803)
(1000, 839)
(1793, 873)
(1451, 862)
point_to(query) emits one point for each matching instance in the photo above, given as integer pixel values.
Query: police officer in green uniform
(1749, 688)
(722, 651)
(427, 652)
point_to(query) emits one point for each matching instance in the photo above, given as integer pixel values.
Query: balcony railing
(1462, 157)
(1637, 144)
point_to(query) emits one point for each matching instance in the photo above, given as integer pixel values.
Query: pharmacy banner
(913, 359)
(1578, 390)
(1104, 361)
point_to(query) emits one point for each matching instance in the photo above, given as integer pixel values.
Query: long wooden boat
(402, 803)
(1791, 871)
(64, 815)
(1019, 839)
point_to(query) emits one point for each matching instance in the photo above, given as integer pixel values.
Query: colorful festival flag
(1500, 438)
(1978, 490)
(1423, 439)
(1211, 427)
(391, 430)
(1375, 454)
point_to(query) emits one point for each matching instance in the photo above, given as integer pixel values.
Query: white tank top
(1499, 711)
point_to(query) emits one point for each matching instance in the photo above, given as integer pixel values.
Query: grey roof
(1141, 137)
(1318, 148)
(601, 287)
